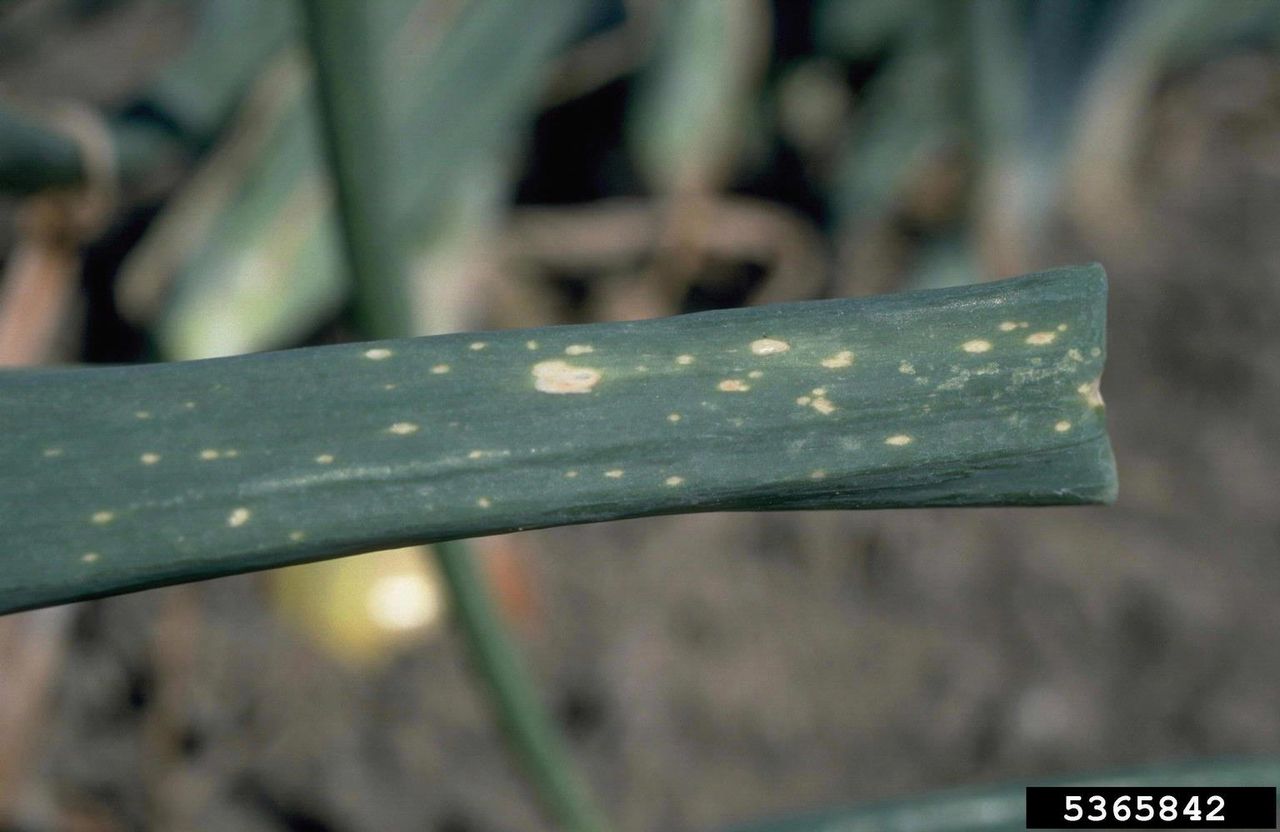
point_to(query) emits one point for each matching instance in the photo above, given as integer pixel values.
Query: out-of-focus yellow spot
(363, 609)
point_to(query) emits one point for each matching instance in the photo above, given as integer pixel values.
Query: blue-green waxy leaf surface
(123, 478)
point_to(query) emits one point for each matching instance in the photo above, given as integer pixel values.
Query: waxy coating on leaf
(946, 398)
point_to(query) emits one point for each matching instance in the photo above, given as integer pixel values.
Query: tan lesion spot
(818, 401)
(569, 475)
(440, 369)
(674, 481)
(149, 458)
(142, 414)
(209, 453)
(1062, 426)
(563, 377)
(238, 517)
(1092, 392)
(906, 368)
(378, 354)
(674, 417)
(755, 374)
(1062, 327)
(615, 474)
(684, 360)
(476, 346)
(977, 345)
(844, 358)
(484, 502)
(1040, 339)
(579, 349)
(898, 440)
(769, 346)
(324, 459)
(90, 557)
(52, 452)
(531, 345)
(102, 518)
(733, 385)
(403, 428)
(818, 474)
(297, 536)
(1008, 326)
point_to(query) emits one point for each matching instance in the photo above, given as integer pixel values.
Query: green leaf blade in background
(125, 478)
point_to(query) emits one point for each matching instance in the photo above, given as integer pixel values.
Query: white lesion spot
(297, 536)
(440, 369)
(674, 481)
(238, 517)
(142, 414)
(324, 459)
(563, 377)
(569, 475)
(818, 474)
(231, 453)
(578, 349)
(818, 401)
(531, 345)
(1075, 354)
(733, 385)
(1062, 426)
(1040, 339)
(755, 374)
(484, 502)
(898, 440)
(102, 518)
(977, 345)
(403, 428)
(844, 358)
(1092, 392)
(614, 474)
(1062, 327)
(378, 354)
(1008, 326)
(674, 417)
(390, 386)
(476, 346)
(90, 557)
(1095, 351)
(684, 360)
(189, 405)
(209, 454)
(769, 346)
(52, 452)
(906, 368)
(149, 458)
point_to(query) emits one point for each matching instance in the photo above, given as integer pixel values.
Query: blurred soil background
(669, 157)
